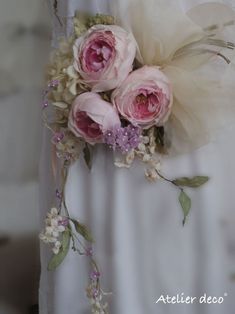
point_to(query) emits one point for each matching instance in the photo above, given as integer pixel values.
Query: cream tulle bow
(195, 52)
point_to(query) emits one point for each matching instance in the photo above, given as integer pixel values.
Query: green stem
(168, 180)
(64, 179)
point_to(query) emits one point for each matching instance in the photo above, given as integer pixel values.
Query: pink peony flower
(91, 116)
(104, 56)
(145, 98)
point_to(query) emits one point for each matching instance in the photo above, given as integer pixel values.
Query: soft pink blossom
(91, 116)
(145, 97)
(104, 56)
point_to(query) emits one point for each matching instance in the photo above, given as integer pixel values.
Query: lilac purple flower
(57, 137)
(95, 293)
(45, 104)
(58, 194)
(94, 275)
(64, 222)
(123, 138)
(53, 83)
(89, 251)
(50, 86)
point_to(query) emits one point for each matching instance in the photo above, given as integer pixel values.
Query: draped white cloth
(141, 247)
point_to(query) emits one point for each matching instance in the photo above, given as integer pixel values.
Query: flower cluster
(145, 151)
(67, 147)
(123, 138)
(55, 226)
(95, 294)
(99, 96)
(104, 88)
(103, 58)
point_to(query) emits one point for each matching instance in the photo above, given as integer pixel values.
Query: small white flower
(60, 104)
(53, 229)
(49, 230)
(121, 164)
(130, 157)
(71, 72)
(60, 146)
(55, 250)
(53, 212)
(73, 88)
(54, 222)
(146, 158)
(58, 244)
(47, 238)
(141, 147)
(61, 228)
(56, 247)
(145, 139)
(151, 174)
(55, 233)
(43, 237)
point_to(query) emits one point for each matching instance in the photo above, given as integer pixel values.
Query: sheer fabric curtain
(141, 247)
(25, 44)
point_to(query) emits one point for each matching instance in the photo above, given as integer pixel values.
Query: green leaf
(185, 203)
(82, 230)
(87, 153)
(194, 182)
(57, 259)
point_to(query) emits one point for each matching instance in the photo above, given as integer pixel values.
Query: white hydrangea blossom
(53, 229)
(97, 306)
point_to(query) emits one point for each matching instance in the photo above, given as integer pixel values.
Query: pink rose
(91, 116)
(145, 97)
(104, 56)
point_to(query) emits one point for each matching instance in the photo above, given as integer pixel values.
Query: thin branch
(55, 7)
(168, 180)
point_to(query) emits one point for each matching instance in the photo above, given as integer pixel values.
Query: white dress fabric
(141, 247)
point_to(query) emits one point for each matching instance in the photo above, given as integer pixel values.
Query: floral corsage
(101, 91)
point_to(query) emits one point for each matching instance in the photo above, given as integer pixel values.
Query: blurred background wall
(24, 49)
